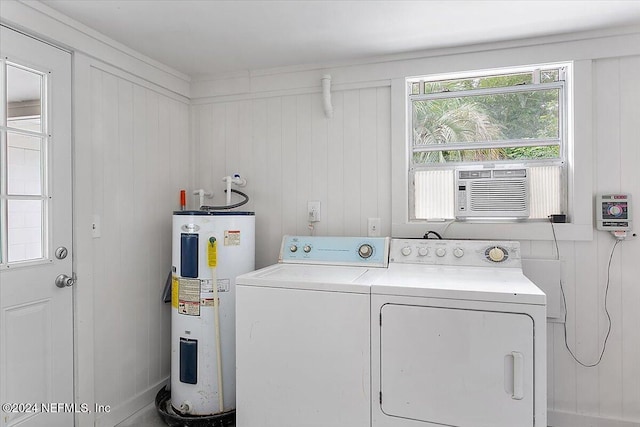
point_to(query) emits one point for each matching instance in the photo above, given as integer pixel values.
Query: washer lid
(465, 283)
(310, 277)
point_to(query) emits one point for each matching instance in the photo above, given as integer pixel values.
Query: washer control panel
(480, 253)
(358, 251)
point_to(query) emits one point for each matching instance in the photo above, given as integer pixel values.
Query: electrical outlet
(373, 227)
(313, 210)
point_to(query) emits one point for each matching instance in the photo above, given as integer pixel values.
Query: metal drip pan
(174, 419)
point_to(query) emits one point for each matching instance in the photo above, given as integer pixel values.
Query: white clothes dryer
(458, 337)
(303, 347)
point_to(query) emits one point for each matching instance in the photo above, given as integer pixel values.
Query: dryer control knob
(307, 248)
(496, 254)
(365, 251)
(423, 251)
(406, 251)
(441, 252)
(458, 253)
(293, 248)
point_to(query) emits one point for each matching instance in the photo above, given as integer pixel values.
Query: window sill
(496, 231)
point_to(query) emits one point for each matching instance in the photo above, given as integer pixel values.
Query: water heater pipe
(235, 179)
(201, 195)
(326, 95)
(227, 179)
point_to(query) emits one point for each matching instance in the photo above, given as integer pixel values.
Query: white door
(454, 367)
(36, 328)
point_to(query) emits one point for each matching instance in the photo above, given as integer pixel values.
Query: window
(23, 158)
(488, 119)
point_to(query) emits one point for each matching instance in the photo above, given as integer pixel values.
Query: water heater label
(189, 297)
(207, 287)
(232, 238)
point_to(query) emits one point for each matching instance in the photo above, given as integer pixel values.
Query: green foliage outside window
(465, 117)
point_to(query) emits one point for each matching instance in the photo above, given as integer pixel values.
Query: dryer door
(457, 367)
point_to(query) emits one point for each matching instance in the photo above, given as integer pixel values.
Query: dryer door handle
(518, 375)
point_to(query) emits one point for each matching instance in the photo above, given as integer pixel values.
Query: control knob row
(294, 248)
(406, 251)
(365, 251)
(440, 252)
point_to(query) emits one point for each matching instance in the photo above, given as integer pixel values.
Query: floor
(146, 417)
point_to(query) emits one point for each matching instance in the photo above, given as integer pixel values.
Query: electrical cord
(435, 233)
(606, 309)
(232, 206)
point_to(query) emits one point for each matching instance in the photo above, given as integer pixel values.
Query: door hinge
(381, 319)
(380, 398)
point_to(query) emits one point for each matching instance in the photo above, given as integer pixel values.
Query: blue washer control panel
(357, 251)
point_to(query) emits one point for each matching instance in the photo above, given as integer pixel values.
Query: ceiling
(213, 37)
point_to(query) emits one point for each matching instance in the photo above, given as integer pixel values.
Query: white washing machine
(458, 337)
(303, 347)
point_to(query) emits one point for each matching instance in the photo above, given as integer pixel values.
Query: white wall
(138, 160)
(277, 136)
(613, 389)
(290, 154)
(131, 158)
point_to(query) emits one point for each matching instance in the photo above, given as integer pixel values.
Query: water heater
(210, 248)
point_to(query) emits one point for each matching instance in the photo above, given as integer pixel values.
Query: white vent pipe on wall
(326, 95)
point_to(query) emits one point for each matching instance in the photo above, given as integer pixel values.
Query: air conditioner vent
(502, 193)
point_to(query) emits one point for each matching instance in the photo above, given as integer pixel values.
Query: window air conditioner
(492, 193)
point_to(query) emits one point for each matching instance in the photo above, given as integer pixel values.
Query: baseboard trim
(130, 407)
(569, 419)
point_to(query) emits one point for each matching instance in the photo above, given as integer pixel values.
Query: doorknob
(63, 281)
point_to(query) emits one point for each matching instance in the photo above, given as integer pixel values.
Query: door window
(24, 139)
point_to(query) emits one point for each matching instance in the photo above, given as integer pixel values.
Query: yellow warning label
(212, 253)
(174, 291)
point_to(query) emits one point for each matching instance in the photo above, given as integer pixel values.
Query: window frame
(44, 135)
(560, 141)
(579, 163)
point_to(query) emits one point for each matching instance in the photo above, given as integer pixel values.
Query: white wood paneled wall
(611, 390)
(139, 162)
(291, 153)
